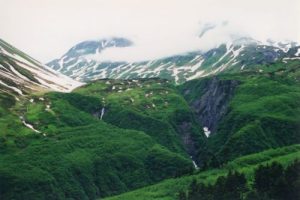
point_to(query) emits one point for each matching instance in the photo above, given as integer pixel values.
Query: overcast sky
(46, 29)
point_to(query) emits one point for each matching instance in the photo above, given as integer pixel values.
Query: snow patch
(196, 75)
(206, 131)
(295, 58)
(29, 125)
(298, 52)
(13, 88)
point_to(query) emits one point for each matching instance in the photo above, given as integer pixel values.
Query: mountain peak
(245, 41)
(96, 46)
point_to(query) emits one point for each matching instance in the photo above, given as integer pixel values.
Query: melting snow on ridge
(229, 48)
(196, 66)
(45, 75)
(196, 75)
(295, 58)
(11, 87)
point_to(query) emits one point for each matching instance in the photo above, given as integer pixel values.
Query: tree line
(271, 182)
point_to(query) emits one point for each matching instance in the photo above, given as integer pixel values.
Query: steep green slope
(84, 163)
(264, 114)
(169, 189)
(150, 105)
(66, 153)
(11, 127)
(258, 110)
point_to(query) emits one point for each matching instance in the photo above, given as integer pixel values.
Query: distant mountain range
(242, 54)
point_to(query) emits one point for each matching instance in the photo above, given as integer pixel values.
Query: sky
(46, 29)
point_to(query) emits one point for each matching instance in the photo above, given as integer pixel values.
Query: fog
(47, 29)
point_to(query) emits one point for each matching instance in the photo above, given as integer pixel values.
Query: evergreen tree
(235, 185)
(219, 188)
(193, 188)
(182, 195)
(269, 181)
(292, 178)
(230, 187)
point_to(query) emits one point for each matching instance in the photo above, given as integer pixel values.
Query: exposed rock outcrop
(211, 106)
(185, 129)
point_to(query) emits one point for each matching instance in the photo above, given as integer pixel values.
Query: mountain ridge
(243, 53)
(22, 74)
(111, 136)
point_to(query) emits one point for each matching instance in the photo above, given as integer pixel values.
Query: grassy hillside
(169, 189)
(70, 154)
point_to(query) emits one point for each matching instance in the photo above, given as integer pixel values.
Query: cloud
(47, 29)
(169, 45)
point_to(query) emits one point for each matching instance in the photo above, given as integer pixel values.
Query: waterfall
(194, 163)
(102, 113)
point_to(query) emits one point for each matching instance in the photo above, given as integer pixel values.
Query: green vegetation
(153, 106)
(270, 182)
(112, 136)
(170, 189)
(71, 154)
(263, 113)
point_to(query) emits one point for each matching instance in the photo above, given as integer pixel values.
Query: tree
(182, 195)
(230, 187)
(193, 188)
(269, 181)
(292, 178)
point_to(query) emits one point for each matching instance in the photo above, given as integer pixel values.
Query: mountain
(78, 62)
(242, 54)
(112, 136)
(21, 74)
(241, 113)
(49, 134)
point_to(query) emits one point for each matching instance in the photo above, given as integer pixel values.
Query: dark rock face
(185, 128)
(214, 101)
(193, 143)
